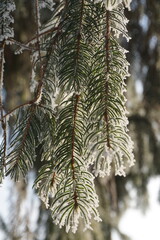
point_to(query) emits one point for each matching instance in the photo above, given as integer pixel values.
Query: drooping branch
(26, 131)
(78, 70)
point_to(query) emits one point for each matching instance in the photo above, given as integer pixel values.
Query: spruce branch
(19, 159)
(109, 102)
(77, 116)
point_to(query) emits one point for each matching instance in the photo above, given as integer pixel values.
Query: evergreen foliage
(77, 116)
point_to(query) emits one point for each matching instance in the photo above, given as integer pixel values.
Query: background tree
(143, 124)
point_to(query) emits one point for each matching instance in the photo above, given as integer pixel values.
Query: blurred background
(129, 206)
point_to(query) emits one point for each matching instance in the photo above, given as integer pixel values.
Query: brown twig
(73, 145)
(39, 89)
(3, 122)
(79, 35)
(76, 103)
(73, 132)
(41, 34)
(107, 38)
(26, 44)
(53, 179)
(14, 109)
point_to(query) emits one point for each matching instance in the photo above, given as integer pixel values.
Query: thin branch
(79, 34)
(73, 145)
(39, 89)
(76, 96)
(23, 45)
(42, 34)
(53, 179)
(73, 131)
(26, 46)
(14, 109)
(31, 102)
(3, 122)
(80, 29)
(5, 141)
(76, 103)
(107, 39)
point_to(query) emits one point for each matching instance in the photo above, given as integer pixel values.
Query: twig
(3, 122)
(26, 44)
(39, 88)
(73, 146)
(107, 38)
(79, 36)
(41, 34)
(14, 109)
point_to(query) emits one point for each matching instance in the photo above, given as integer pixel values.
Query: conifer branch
(16, 158)
(77, 115)
(26, 130)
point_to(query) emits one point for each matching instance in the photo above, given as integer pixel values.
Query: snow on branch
(6, 8)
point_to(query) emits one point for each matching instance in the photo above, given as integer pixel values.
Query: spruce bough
(77, 116)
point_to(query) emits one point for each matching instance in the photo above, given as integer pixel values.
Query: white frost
(6, 7)
(46, 4)
(112, 4)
